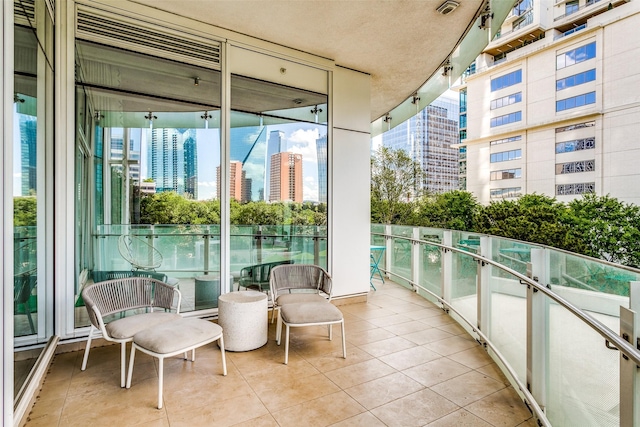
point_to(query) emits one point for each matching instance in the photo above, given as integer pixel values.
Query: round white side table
(244, 320)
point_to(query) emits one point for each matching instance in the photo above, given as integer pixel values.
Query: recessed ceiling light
(448, 7)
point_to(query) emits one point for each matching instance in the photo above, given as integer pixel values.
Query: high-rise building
(321, 150)
(428, 137)
(286, 177)
(173, 160)
(235, 181)
(28, 157)
(552, 103)
(275, 144)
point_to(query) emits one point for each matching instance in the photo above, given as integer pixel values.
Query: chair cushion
(178, 335)
(310, 312)
(298, 297)
(127, 327)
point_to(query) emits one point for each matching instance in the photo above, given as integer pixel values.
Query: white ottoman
(243, 318)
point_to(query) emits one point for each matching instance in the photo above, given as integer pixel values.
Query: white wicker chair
(138, 253)
(138, 294)
(301, 294)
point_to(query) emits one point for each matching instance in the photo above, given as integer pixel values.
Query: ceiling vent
(448, 7)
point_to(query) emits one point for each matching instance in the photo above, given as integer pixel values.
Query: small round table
(244, 320)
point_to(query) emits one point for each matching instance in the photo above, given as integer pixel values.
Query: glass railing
(546, 316)
(189, 252)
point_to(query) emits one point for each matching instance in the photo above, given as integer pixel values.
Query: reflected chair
(258, 276)
(137, 297)
(140, 254)
(23, 285)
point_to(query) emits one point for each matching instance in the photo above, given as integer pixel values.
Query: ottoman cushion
(177, 335)
(297, 297)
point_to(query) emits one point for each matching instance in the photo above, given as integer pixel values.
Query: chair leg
(344, 344)
(123, 363)
(330, 332)
(86, 350)
(286, 345)
(131, 359)
(224, 359)
(279, 329)
(160, 380)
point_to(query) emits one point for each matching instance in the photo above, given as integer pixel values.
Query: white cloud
(310, 190)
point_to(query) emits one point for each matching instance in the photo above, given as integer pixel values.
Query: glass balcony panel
(512, 254)
(401, 254)
(507, 328)
(431, 260)
(464, 285)
(583, 374)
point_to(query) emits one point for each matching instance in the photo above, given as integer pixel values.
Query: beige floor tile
(438, 321)
(359, 373)
(428, 335)
(410, 357)
(332, 361)
(296, 391)
(263, 421)
(436, 371)
(405, 328)
(323, 411)
(474, 357)
(358, 326)
(383, 390)
(425, 313)
(365, 419)
(160, 422)
(502, 408)
(452, 345)
(459, 418)
(389, 320)
(416, 409)
(467, 388)
(220, 413)
(368, 336)
(494, 372)
(388, 346)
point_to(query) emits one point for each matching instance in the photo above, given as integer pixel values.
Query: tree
(452, 210)
(24, 211)
(395, 178)
(532, 218)
(610, 228)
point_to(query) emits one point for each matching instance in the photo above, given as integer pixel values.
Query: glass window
(576, 79)
(507, 80)
(506, 119)
(576, 101)
(575, 56)
(506, 155)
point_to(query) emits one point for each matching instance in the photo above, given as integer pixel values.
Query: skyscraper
(235, 181)
(28, 157)
(173, 160)
(427, 138)
(274, 146)
(321, 150)
(286, 177)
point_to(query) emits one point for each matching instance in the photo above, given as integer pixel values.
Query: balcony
(408, 363)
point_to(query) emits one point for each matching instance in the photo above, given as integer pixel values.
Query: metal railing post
(416, 250)
(447, 266)
(629, 374)
(206, 253)
(388, 243)
(538, 327)
(484, 287)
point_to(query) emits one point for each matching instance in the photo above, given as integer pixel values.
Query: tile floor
(407, 364)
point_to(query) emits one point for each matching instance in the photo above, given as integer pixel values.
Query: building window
(576, 79)
(523, 21)
(576, 145)
(503, 193)
(463, 100)
(504, 156)
(506, 119)
(463, 134)
(506, 80)
(576, 56)
(575, 167)
(571, 7)
(580, 188)
(576, 101)
(522, 7)
(575, 126)
(506, 174)
(505, 140)
(506, 100)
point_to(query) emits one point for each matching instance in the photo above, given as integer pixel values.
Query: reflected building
(28, 158)
(321, 150)
(173, 160)
(274, 146)
(428, 137)
(286, 177)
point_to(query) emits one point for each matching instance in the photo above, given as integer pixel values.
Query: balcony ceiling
(399, 43)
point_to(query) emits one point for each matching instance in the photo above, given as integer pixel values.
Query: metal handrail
(609, 335)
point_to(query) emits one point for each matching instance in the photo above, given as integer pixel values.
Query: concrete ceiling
(400, 43)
